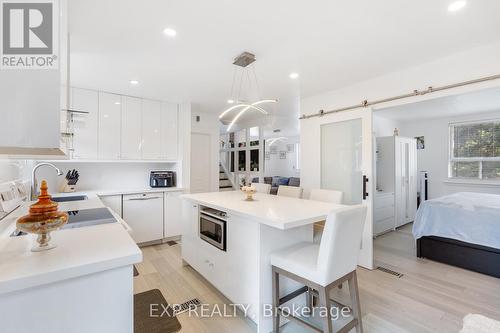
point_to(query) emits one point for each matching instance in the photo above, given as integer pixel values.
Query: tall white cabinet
(85, 125)
(396, 199)
(151, 130)
(131, 131)
(110, 116)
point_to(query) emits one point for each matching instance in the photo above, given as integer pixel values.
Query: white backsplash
(97, 176)
(15, 170)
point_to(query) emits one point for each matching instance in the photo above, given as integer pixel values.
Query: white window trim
(480, 160)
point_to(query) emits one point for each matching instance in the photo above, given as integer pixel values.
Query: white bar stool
(322, 267)
(290, 191)
(332, 196)
(262, 188)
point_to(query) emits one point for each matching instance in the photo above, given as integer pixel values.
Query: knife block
(66, 188)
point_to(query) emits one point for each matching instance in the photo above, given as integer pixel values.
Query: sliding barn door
(346, 165)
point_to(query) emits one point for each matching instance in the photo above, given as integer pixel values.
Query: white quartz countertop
(275, 211)
(79, 251)
(104, 193)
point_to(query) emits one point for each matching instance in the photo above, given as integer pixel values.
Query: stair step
(225, 183)
(226, 186)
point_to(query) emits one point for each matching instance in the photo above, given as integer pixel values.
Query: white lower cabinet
(144, 214)
(114, 202)
(173, 214)
(383, 213)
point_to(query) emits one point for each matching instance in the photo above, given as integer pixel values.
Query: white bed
(468, 217)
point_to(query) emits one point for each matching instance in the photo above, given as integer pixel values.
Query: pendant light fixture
(243, 75)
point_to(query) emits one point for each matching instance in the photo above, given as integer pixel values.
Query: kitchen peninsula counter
(254, 230)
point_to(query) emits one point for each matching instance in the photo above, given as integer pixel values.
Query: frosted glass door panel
(341, 159)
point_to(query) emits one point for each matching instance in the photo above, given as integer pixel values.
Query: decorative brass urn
(42, 219)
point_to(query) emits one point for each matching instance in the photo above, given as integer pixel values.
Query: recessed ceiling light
(134, 82)
(230, 101)
(294, 76)
(117, 103)
(457, 5)
(170, 32)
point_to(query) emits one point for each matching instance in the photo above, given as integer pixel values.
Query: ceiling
(483, 101)
(330, 43)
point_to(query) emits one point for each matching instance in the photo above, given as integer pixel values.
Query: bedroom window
(475, 150)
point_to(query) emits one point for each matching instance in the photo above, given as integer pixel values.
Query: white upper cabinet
(117, 127)
(169, 131)
(109, 126)
(84, 124)
(151, 130)
(131, 134)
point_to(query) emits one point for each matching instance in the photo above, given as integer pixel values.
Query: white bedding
(468, 217)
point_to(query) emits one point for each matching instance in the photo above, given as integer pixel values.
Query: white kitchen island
(83, 285)
(253, 231)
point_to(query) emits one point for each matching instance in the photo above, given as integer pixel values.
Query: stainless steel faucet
(34, 183)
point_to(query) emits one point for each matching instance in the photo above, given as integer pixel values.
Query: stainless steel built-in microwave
(213, 230)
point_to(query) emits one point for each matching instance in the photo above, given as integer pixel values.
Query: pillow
(283, 181)
(276, 181)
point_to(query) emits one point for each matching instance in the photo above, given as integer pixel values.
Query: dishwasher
(144, 214)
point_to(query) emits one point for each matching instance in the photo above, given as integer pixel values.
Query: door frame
(210, 168)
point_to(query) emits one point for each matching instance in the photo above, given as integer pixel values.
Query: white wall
(467, 65)
(209, 124)
(384, 126)
(434, 158)
(282, 167)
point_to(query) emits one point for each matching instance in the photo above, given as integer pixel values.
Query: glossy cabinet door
(131, 133)
(173, 214)
(85, 125)
(169, 131)
(151, 130)
(144, 214)
(109, 126)
(114, 202)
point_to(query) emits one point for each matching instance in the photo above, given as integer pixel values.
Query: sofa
(276, 181)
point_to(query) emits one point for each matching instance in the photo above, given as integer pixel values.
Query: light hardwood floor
(430, 297)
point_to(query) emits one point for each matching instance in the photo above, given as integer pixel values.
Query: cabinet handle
(142, 199)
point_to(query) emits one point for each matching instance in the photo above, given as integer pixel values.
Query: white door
(169, 131)
(131, 136)
(151, 130)
(200, 163)
(346, 165)
(85, 124)
(144, 214)
(109, 126)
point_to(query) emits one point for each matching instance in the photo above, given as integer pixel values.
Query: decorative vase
(43, 218)
(249, 191)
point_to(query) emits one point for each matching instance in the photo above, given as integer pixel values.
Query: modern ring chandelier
(243, 74)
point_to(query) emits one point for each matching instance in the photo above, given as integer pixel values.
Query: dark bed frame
(474, 257)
